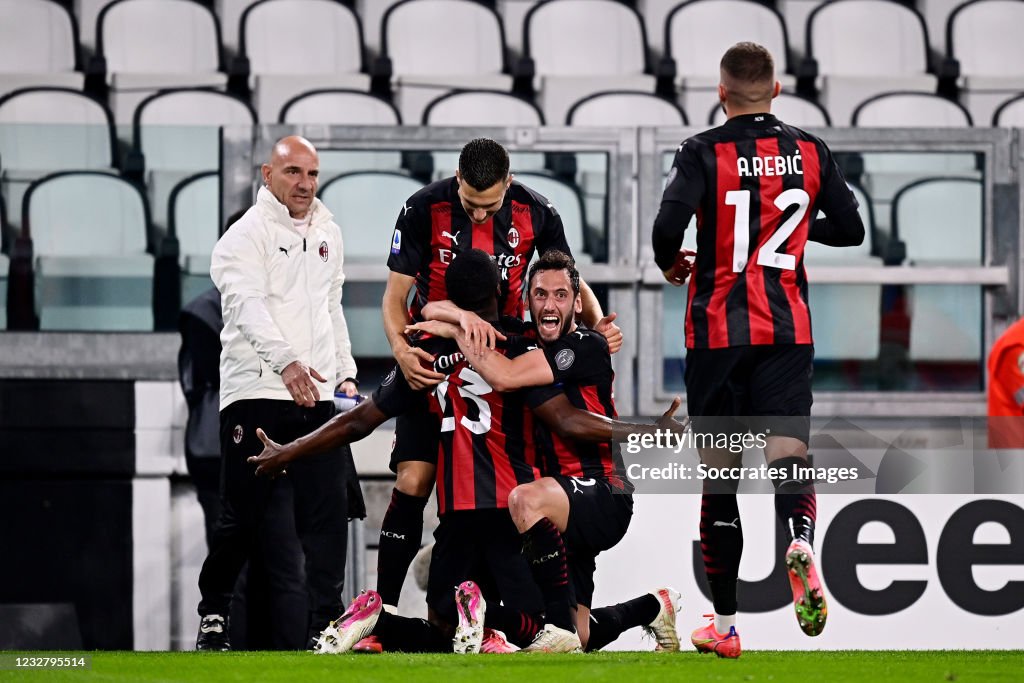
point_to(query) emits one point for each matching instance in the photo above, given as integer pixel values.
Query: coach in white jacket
(285, 350)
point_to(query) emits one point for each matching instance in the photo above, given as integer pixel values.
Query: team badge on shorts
(513, 238)
(564, 359)
(236, 434)
(390, 377)
(323, 251)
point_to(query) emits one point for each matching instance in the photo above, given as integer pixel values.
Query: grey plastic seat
(89, 235)
(940, 222)
(866, 47)
(152, 45)
(331, 54)
(606, 50)
(37, 46)
(418, 35)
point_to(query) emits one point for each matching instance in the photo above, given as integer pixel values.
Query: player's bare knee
(525, 504)
(415, 479)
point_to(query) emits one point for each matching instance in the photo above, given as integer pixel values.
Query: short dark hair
(472, 280)
(749, 62)
(482, 163)
(555, 259)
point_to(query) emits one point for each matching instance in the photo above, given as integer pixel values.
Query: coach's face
(293, 174)
(480, 205)
(553, 304)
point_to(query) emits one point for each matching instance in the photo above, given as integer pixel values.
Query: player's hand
(479, 333)
(298, 379)
(349, 388)
(668, 420)
(417, 366)
(435, 328)
(272, 461)
(612, 334)
(681, 268)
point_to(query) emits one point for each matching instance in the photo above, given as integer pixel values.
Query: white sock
(723, 622)
(390, 609)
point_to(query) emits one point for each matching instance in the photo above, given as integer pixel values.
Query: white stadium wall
(935, 592)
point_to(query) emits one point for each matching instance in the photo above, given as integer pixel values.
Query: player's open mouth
(550, 323)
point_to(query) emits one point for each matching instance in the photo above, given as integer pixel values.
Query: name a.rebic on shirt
(770, 166)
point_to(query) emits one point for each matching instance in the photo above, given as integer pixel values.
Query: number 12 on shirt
(768, 255)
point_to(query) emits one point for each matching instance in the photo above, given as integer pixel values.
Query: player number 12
(769, 254)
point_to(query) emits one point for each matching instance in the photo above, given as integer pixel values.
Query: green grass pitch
(611, 667)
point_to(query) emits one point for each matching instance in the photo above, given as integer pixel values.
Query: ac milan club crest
(236, 434)
(513, 238)
(323, 251)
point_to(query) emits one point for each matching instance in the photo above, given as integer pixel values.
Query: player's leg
(781, 397)
(716, 391)
(540, 512)
(655, 612)
(414, 460)
(243, 502)
(321, 520)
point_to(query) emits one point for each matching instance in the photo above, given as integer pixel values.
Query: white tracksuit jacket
(281, 297)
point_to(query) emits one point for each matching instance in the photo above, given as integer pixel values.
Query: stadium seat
(193, 218)
(862, 48)
(983, 36)
(605, 50)
(1010, 114)
(568, 202)
(793, 109)
(417, 38)
(625, 108)
(483, 108)
(846, 319)
(89, 233)
(338, 106)
(44, 130)
(176, 134)
(366, 206)
(910, 110)
(345, 107)
(940, 222)
(698, 33)
(38, 46)
(331, 54)
(152, 45)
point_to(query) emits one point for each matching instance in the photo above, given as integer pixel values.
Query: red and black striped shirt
(485, 444)
(756, 185)
(433, 228)
(582, 369)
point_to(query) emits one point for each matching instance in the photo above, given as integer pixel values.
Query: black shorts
(598, 519)
(483, 546)
(769, 384)
(416, 438)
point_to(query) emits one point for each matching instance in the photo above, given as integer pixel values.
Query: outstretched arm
(569, 422)
(340, 430)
